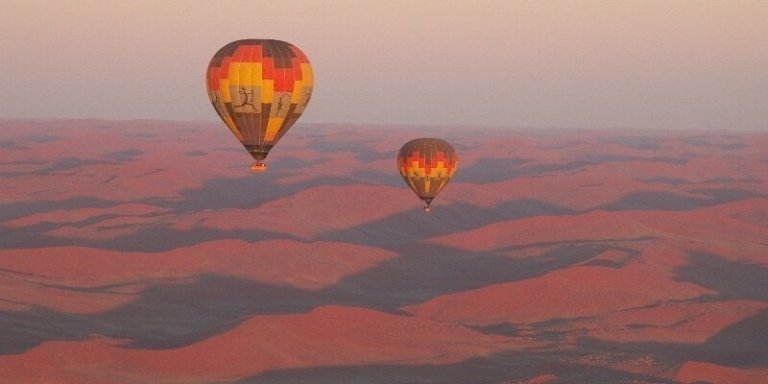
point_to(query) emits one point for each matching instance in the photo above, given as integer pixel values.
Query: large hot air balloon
(427, 165)
(259, 88)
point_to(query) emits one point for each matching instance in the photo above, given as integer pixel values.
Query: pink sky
(655, 64)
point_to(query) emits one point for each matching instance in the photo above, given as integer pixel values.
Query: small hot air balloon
(427, 165)
(259, 88)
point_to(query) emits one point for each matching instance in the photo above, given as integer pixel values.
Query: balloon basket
(258, 167)
(427, 209)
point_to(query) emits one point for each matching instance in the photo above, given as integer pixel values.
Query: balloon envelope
(427, 165)
(259, 88)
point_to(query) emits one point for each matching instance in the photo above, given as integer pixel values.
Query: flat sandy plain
(147, 252)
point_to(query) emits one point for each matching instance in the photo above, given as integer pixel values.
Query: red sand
(47, 276)
(324, 337)
(697, 372)
(73, 187)
(571, 293)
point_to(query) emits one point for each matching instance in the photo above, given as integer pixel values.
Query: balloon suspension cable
(258, 167)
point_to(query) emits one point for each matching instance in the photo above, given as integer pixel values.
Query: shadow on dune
(379, 177)
(716, 141)
(506, 367)
(667, 201)
(478, 174)
(489, 170)
(426, 271)
(389, 232)
(360, 149)
(18, 210)
(739, 345)
(239, 193)
(23, 330)
(160, 238)
(742, 344)
(11, 145)
(32, 236)
(124, 154)
(733, 280)
(178, 313)
(643, 143)
(497, 170)
(165, 315)
(730, 347)
(414, 225)
(173, 315)
(147, 238)
(726, 195)
(65, 164)
(41, 138)
(674, 181)
(242, 192)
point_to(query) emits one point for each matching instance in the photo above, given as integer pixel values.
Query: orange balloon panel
(427, 165)
(259, 88)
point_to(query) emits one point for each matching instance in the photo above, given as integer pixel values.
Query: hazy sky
(613, 63)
